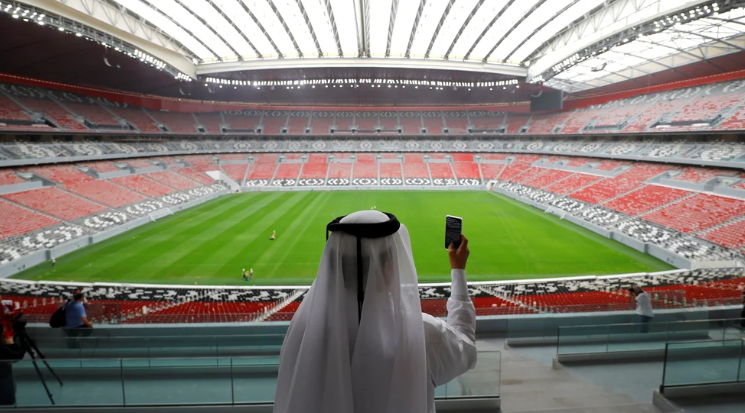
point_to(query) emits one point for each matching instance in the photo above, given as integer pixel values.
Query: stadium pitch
(213, 242)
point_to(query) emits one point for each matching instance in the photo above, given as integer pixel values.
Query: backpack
(58, 317)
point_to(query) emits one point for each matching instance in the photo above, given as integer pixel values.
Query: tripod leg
(38, 373)
(31, 345)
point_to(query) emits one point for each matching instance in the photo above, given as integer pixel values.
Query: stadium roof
(572, 45)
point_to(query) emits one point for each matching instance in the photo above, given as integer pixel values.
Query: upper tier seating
(705, 109)
(486, 122)
(580, 119)
(62, 174)
(16, 220)
(697, 213)
(176, 121)
(9, 178)
(365, 170)
(52, 110)
(645, 199)
(297, 125)
(366, 124)
(242, 123)
(723, 109)
(433, 125)
(572, 183)
(288, 171)
(173, 180)
(105, 192)
(195, 176)
(55, 202)
(652, 113)
(10, 111)
(138, 118)
(440, 170)
(613, 187)
(456, 125)
(321, 126)
(235, 172)
(545, 124)
(143, 185)
(272, 125)
(212, 122)
(731, 236)
(515, 122)
(614, 117)
(94, 113)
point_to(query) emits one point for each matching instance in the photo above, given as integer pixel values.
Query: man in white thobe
(359, 342)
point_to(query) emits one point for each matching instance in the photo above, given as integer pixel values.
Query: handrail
(717, 352)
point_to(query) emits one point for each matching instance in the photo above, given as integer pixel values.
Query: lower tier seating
(16, 220)
(105, 192)
(55, 202)
(697, 213)
(143, 185)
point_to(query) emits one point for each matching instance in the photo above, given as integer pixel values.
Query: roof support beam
(539, 28)
(488, 26)
(419, 11)
(391, 25)
(439, 25)
(229, 20)
(463, 27)
(310, 27)
(287, 29)
(514, 26)
(330, 12)
(261, 27)
(201, 20)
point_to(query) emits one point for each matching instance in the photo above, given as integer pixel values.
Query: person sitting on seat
(274, 235)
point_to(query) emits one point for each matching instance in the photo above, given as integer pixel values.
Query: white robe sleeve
(451, 345)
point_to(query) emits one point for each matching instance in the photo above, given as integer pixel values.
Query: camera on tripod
(14, 327)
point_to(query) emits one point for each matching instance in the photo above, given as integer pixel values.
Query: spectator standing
(359, 341)
(644, 311)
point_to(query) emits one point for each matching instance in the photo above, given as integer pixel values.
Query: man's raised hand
(459, 257)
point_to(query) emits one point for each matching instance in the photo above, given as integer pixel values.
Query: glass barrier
(175, 381)
(704, 362)
(609, 338)
(164, 346)
(548, 326)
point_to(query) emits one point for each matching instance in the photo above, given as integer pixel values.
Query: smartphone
(453, 229)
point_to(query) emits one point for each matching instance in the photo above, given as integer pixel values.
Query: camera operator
(10, 351)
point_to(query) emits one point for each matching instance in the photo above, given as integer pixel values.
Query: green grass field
(213, 242)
